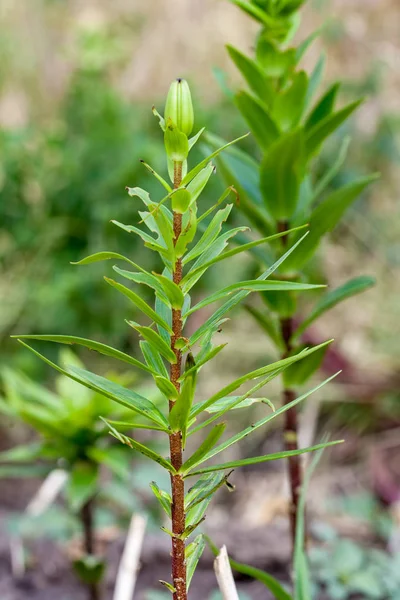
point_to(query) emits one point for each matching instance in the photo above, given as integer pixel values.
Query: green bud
(176, 142)
(179, 107)
(181, 200)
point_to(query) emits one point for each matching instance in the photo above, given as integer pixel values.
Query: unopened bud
(179, 107)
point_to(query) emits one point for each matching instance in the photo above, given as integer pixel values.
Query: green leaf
(242, 171)
(193, 552)
(213, 250)
(100, 256)
(239, 296)
(179, 414)
(204, 488)
(253, 11)
(165, 313)
(325, 217)
(204, 448)
(110, 389)
(323, 108)
(82, 484)
(333, 170)
(172, 291)
(198, 364)
(204, 162)
(92, 345)
(242, 248)
(298, 373)
(23, 453)
(261, 459)
(135, 445)
(253, 286)
(149, 241)
(290, 106)
(153, 359)
(164, 498)
(315, 78)
(282, 170)
(318, 134)
(257, 117)
(140, 304)
(164, 183)
(227, 403)
(155, 340)
(233, 402)
(145, 279)
(275, 62)
(275, 367)
(187, 235)
(90, 569)
(334, 297)
(166, 387)
(198, 183)
(210, 234)
(253, 74)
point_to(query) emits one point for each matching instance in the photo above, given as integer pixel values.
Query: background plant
(71, 437)
(282, 187)
(164, 342)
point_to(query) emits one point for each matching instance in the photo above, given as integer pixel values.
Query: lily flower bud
(179, 107)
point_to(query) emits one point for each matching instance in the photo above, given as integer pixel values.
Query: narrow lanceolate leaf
(149, 241)
(254, 286)
(325, 218)
(92, 345)
(153, 359)
(140, 304)
(242, 248)
(239, 296)
(260, 459)
(110, 389)
(193, 553)
(128, 425)
(282, 171)
(164, 183)
(253, 74)
(179, 414)
(242, 434)
(148, 452)
(164, 498)
(331, 299)
(323, 129)
(208, 356)
(172, 291)
(144, 279)
(166, 387)
(101, 256)
(324, 107)
(253, 10)
(198, 183)
(257, 117)
(204, 488)
(213, 250)
(155, 340)
(210, 234)
(204, 448)
(227, 403)
(204, 162)
(274, 368)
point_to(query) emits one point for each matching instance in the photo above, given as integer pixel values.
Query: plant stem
(290, 433)
(88, 538)
(175, 439)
